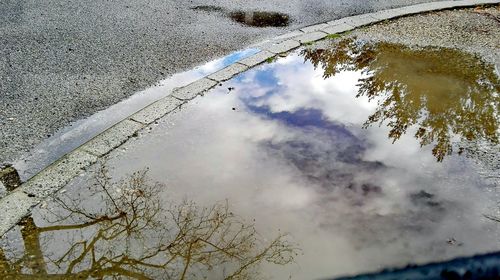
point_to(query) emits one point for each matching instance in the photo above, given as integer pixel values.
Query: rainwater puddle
(344, 160)
(249, 18)
(260, 19)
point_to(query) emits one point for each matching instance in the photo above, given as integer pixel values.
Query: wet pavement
(345, 159)
(81, 131)
(63, 61)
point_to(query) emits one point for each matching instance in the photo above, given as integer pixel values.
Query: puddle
(260, 19)
(293, 148)
(249, 18)
(9, 179)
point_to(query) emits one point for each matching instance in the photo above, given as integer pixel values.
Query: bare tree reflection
(443, 92)
(123, 230)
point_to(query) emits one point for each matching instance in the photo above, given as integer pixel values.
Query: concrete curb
(19, 203)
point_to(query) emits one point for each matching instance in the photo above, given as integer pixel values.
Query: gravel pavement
(61, 61)
(471, 30)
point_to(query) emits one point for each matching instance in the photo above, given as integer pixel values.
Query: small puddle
(331, 161)
(249, 18)
(260, 19)
(9, 179)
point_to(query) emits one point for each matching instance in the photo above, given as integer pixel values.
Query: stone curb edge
(19, 203)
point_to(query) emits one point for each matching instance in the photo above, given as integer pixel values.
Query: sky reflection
(293, 155)
(287, 149)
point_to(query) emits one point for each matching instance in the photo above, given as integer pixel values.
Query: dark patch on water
(425, 199)
(260, 19)
(305, 118)
(365, 189)
(328, 169)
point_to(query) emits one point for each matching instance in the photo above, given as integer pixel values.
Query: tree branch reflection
(125, 230)
(442, 92)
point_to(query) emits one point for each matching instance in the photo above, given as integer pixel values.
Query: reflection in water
(443, 92)
(123, 230)
(292, 155)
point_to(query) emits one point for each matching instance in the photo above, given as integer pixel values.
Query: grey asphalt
(61, 61)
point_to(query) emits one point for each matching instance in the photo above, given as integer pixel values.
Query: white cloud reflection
(293, 156)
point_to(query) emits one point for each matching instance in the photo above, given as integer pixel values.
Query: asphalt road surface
(61, 61)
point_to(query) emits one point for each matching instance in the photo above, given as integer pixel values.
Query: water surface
(357, 157)
(260, 19)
